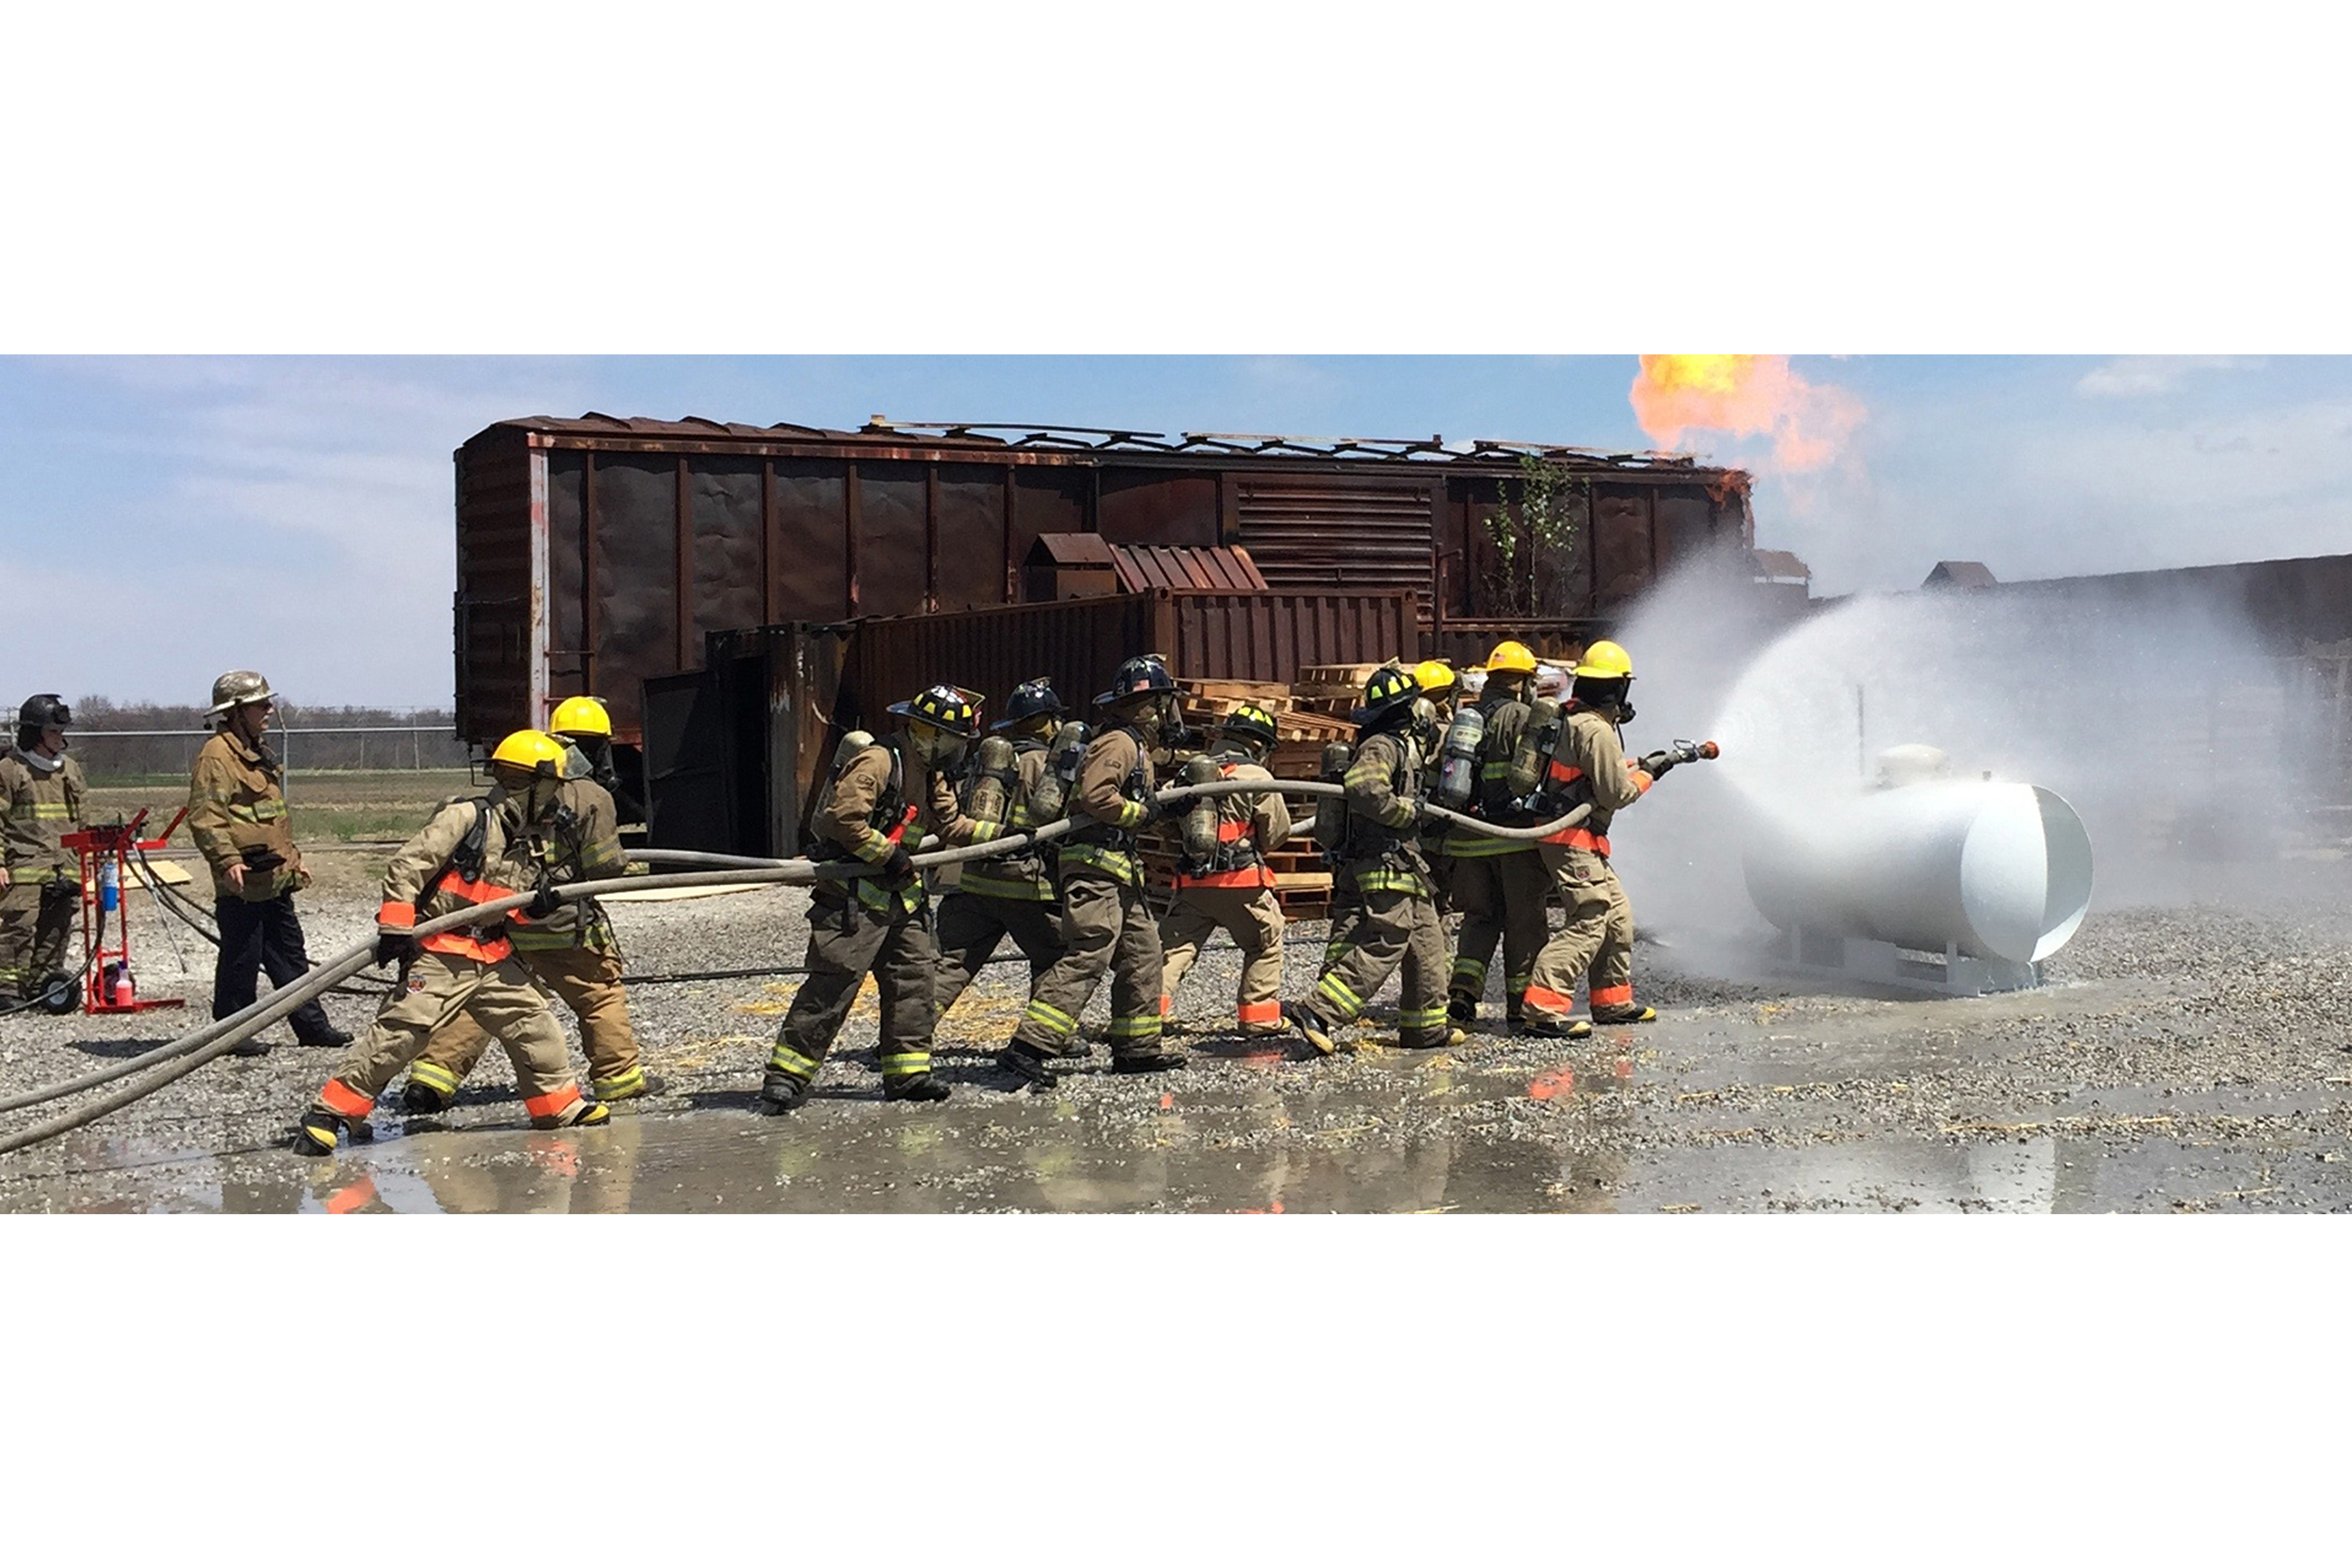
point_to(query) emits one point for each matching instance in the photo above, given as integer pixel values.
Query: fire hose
(176, 1059)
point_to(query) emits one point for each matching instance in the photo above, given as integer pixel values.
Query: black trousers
(262, 936)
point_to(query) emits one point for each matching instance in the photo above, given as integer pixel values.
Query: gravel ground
(2183, 1057)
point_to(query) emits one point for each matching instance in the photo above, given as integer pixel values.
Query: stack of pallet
(1300, 732)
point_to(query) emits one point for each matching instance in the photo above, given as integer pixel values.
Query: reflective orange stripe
(1548, 1000)
(1259, 1012)
(345, 1100)
(455, 883)
(1248, 877)
(461, 944)
(1563, 774)
(1612, 995)
(1578, 839)
(391, 914)
(1641, 781)
(555, 1104)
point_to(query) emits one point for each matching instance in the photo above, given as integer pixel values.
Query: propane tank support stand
(1829, 955)
(108, 984)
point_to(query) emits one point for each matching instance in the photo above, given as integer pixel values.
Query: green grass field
(336, 806)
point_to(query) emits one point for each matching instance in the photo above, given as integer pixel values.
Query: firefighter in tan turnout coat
(236, 814)
(573, 952)
(1596, 944)
(471, 852)
(1106, 920)
(1012, 895)
(41, 792)
(1229, 887)
(882, 797)
(1384, 882)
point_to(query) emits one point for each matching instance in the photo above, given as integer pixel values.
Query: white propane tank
(1996, 870)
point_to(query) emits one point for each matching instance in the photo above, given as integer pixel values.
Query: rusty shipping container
(733, 752)
(595, 553)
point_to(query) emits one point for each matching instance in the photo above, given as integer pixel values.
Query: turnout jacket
(1249, 823)
(867, 813)
(1115, 777)
(36, 810)
(581, 844)
(237, 803)
(471, 852)
(1384, 808)
(1588, 764)
(1506, 720)
(1022, 878)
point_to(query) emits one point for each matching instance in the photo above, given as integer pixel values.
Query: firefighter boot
(1312, 1029)
(1538, 1022)
(1027, 1066)
(1625, 1016)
(578, 1114)
(1462, 1009)
(919, 1086)
(636, 1083)
(430, 1090)
(317, 1133)
(781, 1092)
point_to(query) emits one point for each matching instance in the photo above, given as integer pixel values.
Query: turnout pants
(972, 925)
(1596, 945)
(846, 941)
(266, 936)
(1105, 924)
(1383, 929)
(588, 980)
(1253, 918)
(437, 987)
(36, 921)
(1501, 898)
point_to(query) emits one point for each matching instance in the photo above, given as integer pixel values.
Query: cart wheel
(60, 995)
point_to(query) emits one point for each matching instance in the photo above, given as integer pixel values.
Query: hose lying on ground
(185, 1055)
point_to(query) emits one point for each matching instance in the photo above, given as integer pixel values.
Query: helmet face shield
(936, 747)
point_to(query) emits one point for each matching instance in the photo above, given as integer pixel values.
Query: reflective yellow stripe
(1420, 1018)
(1129, 1029)
(51, 811)
(433, 1075)
(1117, 862)
(1022, 891)
(1480, 845)
(1334, 990)
(619, 1083)
(784, 1058)
(903, 1065)
(1393, 882)
(1472, 969)
(1052, 1018)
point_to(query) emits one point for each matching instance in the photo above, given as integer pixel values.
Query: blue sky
(294, 513)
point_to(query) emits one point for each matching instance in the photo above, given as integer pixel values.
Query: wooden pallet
(1348, 675)
(1272, 695)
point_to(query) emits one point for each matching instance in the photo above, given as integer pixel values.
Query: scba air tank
(1200, 816)
(1331, 816)
(1457, 759)
(1051, 798)
(1532, 759)
(993, 781)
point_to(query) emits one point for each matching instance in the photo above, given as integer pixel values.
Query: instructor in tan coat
(1231, 887)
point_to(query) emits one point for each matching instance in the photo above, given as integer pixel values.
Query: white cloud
(2152, 375)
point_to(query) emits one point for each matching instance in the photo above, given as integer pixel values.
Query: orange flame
(1744, 394)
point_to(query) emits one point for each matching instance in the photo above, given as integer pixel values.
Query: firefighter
(471, 852)
(1382, 875)
(880, 797)
(1438, 688)
(1231, 888)
(573, 952)
(1499, 885)
(236, 814)
(1011, 896)
(1106, 920)
(1596, 945)
(41, 792)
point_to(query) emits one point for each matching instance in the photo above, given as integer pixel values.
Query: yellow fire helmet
(1605, 661)
(530, 751)
(1511, 658)
(1434, 676)
(580, 716)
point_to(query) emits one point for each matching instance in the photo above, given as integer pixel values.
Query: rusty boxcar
(595, 553)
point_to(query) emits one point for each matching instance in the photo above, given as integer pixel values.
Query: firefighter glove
(544, 902)
(393, 947)
(898, 870)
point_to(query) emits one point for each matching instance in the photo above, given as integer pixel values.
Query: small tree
(1553, 505)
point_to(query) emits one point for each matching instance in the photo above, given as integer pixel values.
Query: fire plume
(1744, 394)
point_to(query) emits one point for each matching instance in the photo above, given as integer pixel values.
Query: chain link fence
(137, 752)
